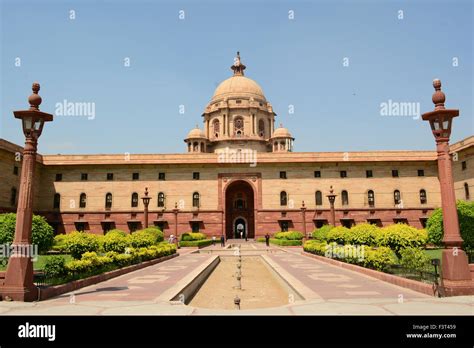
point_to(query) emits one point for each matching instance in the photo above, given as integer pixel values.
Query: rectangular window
(110, 176)
(59, 177)
(135, 176)
(463, 165)
(317, 173)
(369, 174)
(15, 170)
(423, 222)
(395, 173)
(284, 226)
(161, 176)
(343, 174)
(195, 226)
(196, 176)
(84, 176)
(421, 172)
(282, 175)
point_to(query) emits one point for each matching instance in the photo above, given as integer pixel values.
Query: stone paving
(327, 289)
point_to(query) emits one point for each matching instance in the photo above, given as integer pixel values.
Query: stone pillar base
(18, 284)
(456, 273)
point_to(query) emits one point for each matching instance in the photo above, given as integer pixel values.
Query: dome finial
(238, 67)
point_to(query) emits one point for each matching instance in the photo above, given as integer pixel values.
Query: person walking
(222, 241)
(213, 240)
(267, 239)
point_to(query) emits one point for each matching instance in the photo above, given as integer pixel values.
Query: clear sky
(173, 61)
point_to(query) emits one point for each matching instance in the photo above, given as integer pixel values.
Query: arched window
(261, 128)
(319, 198)
(108, 201)
(423, 199)
(371, 198)
(396, 197)
(202, 147)
(344, 198)
(275, 146)
(161, 200)
(13, 196)
(216, 127)
(283, 198)
(134, 200)
(239, 126)
(57, 201)
(466, 191)
(282, 145)
(196, 199)
(195, 146)
(82, 200)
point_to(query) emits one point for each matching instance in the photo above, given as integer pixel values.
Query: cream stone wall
(463, 152)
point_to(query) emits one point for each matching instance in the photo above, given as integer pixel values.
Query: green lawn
(434, 253)
(39, 264)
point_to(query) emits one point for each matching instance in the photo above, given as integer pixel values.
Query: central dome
(238, 86)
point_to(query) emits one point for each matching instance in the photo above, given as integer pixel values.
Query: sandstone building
(239, 169)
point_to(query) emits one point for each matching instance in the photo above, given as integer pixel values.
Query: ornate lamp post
(455, 267)
(146, 202)
(303, 213)
(332, 197)
(19, 284)
(175, 211)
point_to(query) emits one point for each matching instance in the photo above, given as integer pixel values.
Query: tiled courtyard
(327, 289)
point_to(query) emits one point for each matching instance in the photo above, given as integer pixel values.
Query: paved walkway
(327, 289)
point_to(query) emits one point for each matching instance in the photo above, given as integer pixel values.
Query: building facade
(239, 169)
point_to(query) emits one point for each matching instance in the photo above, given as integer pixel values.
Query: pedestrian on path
(222, 241)
(213, 240)
(267, 239)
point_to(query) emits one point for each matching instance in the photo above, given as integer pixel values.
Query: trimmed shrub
(42, 234)
(379, 258)
(55, 267)
(414, 258)
(434, 224)
(321, 233)
(116, 231)
(115, 240)
(59, 243)
(338, 234)
(146, 237)
(195, 243)
(363, 234)
(192, 236)
(285, 242)
(291, 235)
(400, 236)
(78, 243)
(315, 247)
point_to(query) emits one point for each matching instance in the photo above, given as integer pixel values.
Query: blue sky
(177, 62)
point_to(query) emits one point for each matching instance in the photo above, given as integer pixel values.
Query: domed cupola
(282, 141)
(196, 140)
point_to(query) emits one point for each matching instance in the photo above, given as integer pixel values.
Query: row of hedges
(196, 243)
(291, 235)
(396, 237)
(380, 258)
(192, 236)
(91, 263)
(42, 232)
(78, 243)
(285, 242)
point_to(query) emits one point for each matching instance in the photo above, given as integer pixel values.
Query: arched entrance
(240, 228)
(239, 210)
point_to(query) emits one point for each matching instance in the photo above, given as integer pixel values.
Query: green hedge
(192, 236)
(42, 234)
(78, 243)
(380, 258)
(115, 240)
(285, 242)
(321, 233)
(261, 239)
(291, 235)
(434, 225)
(196, 243)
